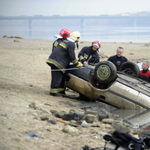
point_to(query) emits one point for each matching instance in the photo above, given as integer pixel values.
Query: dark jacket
(87, 54)
(56, 43)
(62, 55)
(117, 61)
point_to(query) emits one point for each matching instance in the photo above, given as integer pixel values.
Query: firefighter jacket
(87, 54)
(62, 55)
(56, 43)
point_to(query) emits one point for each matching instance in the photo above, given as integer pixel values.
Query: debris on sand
(17, 37)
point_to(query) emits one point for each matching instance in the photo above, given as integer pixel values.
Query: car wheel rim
(103, 72)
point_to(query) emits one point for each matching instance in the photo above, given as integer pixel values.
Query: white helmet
(76, 36)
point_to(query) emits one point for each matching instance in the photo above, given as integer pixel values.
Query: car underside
(102, 82)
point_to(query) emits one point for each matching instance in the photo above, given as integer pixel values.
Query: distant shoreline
(89, 33)
(136, 52)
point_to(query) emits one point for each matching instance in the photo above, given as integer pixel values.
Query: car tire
(105, 72)
(130, 68)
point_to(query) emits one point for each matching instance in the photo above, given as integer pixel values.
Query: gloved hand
(78, 64)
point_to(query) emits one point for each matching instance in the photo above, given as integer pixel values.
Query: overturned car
(102, 82)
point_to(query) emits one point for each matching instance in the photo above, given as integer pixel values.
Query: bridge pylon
(82, 23)
(30, 23)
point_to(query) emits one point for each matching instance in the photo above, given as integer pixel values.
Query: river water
(88, 33)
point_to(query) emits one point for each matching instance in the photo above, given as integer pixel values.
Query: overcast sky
(71, 7)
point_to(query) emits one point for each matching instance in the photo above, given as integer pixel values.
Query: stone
(117, 117)
(119, 126)
(32, 105)
(67, 117)
(35, 117)
(53, 111)
(47, 104)
(95, 124)
(16, 40)
(77, 116)
(71, 111)
(108, 126)
(43, 118)
(136, 131)
(79, 122)
(110, 131)
(59, 114)
(53, 121)
(71, 130)
(90, 112)
(102, 116)
(107, 121)
(90, 118)
(73, 121)
(44, 111)
(85, 124)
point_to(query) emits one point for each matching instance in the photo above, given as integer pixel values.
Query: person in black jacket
(89, 55)
(61, 56)
(118, 59)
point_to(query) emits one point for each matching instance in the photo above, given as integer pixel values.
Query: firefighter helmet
(96, 44)
(76, 36)
(64, 33)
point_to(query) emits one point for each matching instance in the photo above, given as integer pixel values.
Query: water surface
(88, 33)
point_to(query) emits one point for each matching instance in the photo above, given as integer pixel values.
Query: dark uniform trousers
(57, 81)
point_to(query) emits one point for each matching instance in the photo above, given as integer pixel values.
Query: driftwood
(102, 55)
(5, 36)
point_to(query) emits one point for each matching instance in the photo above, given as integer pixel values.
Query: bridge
(81, 18)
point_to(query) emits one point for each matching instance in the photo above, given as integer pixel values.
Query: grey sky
(71, 7)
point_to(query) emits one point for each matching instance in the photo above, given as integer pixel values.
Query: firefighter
(78, 35)
(59, 59)
(89, 55)
(64, 33)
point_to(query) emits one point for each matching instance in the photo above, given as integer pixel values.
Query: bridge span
(81, 18)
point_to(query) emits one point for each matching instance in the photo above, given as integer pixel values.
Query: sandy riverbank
(25, 78)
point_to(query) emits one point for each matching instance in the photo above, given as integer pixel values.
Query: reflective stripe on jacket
(62, 55)
(56, 43)
(53, 62)
(87, 54)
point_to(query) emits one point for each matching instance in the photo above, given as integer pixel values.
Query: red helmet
(65, 33)
(96, 44)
